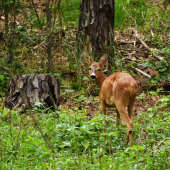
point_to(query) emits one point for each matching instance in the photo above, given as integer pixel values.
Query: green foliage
(84, 144)
(124, 10)
(75, 86)
(4, 79)
(4, 75)
(70, 9)
(162, 67)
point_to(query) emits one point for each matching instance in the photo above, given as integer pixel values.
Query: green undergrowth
(77, 142)
(71, 11)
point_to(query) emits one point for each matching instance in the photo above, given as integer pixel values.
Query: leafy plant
(78, 141)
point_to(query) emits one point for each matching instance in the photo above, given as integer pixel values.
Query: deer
(118, 91)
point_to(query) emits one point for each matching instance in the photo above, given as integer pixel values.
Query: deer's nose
(93, 76)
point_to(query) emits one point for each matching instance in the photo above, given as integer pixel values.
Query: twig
(35, 11)
(167, 138)
(158, 3)
(147, 24)
(129, 15)
(140, 71)
(137, 36)
(146, 46)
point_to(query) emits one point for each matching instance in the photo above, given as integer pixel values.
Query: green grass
(79, 143)
(126, 10)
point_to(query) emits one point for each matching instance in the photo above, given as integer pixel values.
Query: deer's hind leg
(103, 107)
(130, 113)
(121, 107)
(130, 107)
(118, 117)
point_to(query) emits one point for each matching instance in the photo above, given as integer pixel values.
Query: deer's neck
(100, 80)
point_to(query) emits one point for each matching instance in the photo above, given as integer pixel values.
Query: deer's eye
(89, 68)
(98, 69)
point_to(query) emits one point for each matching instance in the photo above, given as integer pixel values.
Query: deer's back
(118, 86)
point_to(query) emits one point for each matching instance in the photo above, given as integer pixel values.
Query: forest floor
(136, 53)
(126, 44)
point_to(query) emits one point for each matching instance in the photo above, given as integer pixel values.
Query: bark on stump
(35, 88)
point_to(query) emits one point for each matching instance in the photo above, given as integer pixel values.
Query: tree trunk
(6, 11)
(48, 13)
(10, 35)
(96, 25)
(34, 88)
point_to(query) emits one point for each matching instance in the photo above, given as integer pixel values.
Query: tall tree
(96, 25)
(10, 7)
(48, 13)
(6, 11)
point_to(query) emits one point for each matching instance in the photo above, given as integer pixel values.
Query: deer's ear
(103, 60)
(91, 60)
(88, 58)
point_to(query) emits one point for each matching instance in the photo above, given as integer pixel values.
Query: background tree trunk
(48, 13)
(35, 88)
(10, 34)
(6, 11)
(96, 25)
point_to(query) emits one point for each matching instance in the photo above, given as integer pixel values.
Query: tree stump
(30, 90)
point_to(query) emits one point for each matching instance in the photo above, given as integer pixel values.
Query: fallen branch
(167, 138)
(146, 46)
(137, 36)
(140, 71)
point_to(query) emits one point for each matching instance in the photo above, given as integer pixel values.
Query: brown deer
(118, 91)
